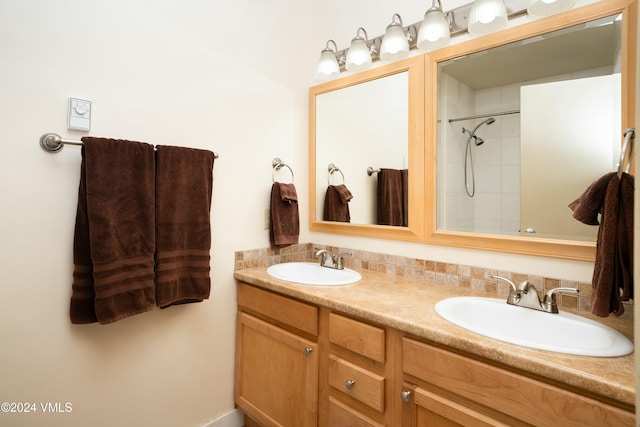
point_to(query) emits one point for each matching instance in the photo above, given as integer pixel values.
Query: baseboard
(233, 418)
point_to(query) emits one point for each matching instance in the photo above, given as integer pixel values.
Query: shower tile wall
(497, 163)
(495, 208)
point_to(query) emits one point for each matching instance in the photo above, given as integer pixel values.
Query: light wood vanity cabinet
(302, 365)
(448, 389)
(276, 376)
(359, 373)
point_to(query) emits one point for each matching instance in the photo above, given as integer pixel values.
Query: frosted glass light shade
(434, 30)
(328, 67)
(549, 7)
(487, 16)
(394, 45)
(358, 57)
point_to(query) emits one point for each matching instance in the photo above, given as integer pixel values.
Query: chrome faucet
(526, 295)
(337, 261)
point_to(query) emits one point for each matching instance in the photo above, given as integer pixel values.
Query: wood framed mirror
(371, 119)
(464, 127)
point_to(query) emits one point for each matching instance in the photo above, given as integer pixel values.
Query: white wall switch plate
(79, 114)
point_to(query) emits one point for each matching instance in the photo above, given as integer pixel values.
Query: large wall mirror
(526, 120)
(366, 133)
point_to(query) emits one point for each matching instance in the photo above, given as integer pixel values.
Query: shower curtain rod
(52, 143)
(480, 116)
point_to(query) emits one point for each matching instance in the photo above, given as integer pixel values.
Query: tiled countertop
(408, 305)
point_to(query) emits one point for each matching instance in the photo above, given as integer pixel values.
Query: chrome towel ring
(278, 164)
(333, 168)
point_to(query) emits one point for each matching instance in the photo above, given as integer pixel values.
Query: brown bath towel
(612, 199)
(336, 204)
(284, 221)
(393, 188)
(183, 227)
(114, 234)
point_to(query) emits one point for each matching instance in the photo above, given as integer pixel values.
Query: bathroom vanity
(376, 353)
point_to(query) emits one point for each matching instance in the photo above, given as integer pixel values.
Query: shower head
(489, 121)
(472, 134)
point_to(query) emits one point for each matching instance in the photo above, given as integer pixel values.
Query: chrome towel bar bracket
(52, 142)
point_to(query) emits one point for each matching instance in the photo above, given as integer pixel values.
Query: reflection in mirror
(525, 128)
(361, 126)
(372, 120)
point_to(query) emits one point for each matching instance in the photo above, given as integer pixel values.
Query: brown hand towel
(114, 235)
(336, 204)
(612, 199)
(284, 222)
(393, 197)
(184, 180)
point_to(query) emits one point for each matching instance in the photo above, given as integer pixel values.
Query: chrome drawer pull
(405, 396)
(349, 384)
(308, 351)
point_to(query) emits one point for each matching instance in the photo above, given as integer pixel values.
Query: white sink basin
(562, 332)
(307, 273)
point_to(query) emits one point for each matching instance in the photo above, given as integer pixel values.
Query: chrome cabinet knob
(405, 396)
(308, 351)
(349, 384)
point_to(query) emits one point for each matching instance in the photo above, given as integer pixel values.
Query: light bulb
(434, 30)
(487, 16)
(359, 56)
(328, 66)
(394, 45)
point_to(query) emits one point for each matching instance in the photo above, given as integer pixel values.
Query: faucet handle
(339, 261)
(549, 303)
(504, 279)
(514, 293)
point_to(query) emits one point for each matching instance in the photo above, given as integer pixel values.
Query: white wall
(171, 72)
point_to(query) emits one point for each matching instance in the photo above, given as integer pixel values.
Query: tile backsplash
(458, 275)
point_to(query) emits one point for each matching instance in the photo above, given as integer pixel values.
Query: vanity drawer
(518, 396)
(358, 337)
(281, 309)
(342, 415)
(357, 382)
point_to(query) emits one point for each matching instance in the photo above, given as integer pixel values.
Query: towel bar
(52, 143)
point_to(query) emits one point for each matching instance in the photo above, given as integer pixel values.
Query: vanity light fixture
(397, 41)
(328, 66)
(359, 55)
(549, 7)
(435, 30)
(395, 44)
(487, 16)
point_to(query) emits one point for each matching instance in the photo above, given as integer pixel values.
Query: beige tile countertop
(408, 305)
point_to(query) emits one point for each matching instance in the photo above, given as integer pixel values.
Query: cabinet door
(422, 408)
(276, 380)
